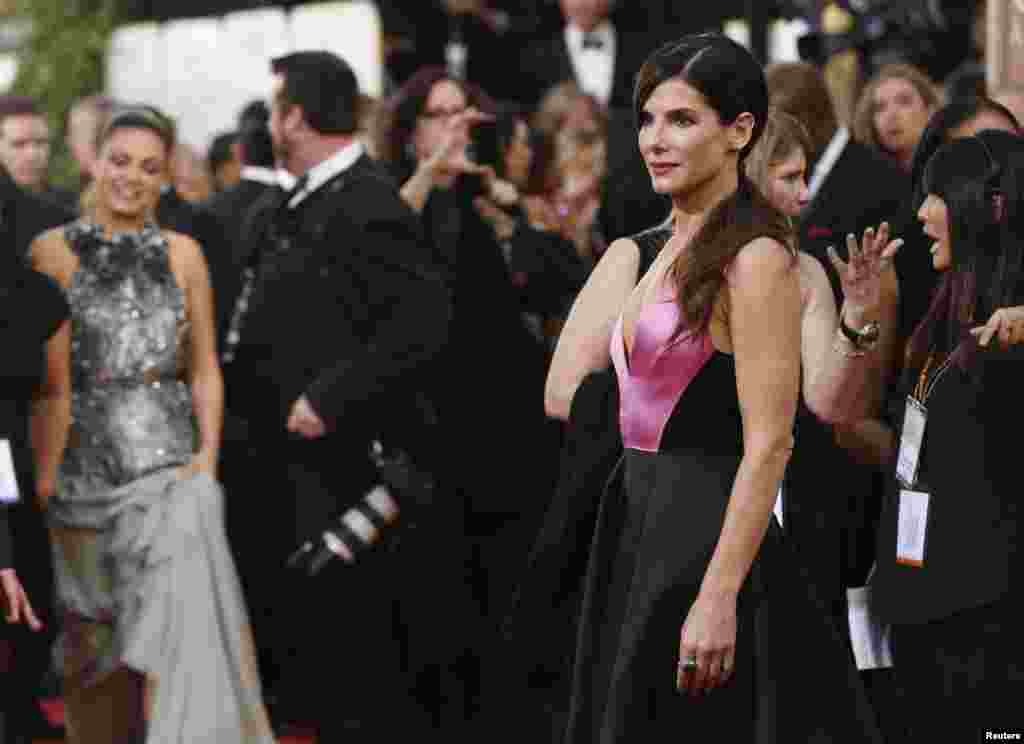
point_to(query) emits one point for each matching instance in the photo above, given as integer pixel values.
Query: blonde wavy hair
(864, 113)
(783, 135)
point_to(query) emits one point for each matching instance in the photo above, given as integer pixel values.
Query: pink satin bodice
(656, 372)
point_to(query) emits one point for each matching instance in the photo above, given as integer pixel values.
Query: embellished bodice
(656, 371)
(131, 408)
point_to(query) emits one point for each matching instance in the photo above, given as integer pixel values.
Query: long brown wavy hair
(732, 83)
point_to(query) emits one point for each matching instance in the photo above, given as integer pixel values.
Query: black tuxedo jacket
(346, 315)
(32, 307)
(231, 208)
(546, 63)
(231, 205)
(24, 216)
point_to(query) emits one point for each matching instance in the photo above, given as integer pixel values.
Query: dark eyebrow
(680, 110)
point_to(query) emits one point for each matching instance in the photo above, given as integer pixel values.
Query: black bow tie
(593, 41)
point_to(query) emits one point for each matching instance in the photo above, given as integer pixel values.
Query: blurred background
(201, 60)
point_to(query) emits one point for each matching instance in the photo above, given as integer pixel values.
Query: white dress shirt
(594, 68)
(327, 169)
(259, 174)
(828, 160)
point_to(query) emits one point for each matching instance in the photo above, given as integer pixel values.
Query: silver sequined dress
(131, 410)
(145, 579)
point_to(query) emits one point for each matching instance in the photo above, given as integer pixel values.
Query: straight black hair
(937, 133)
(979, 179)
(324, 86)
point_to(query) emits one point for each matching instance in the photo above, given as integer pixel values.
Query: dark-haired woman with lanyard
(948, 575)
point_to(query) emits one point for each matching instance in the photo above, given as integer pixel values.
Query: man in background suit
(23, 216)
(336, 326)
(230, 207)
(25, 148)
(258, 175)
(590, 49)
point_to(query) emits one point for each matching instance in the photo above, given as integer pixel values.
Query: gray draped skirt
(147, 591)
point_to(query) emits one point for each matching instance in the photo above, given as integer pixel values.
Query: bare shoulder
(762, 261)
(49, 253)
(622, 257)
(812, 273)
(186, 256)
(183, 248)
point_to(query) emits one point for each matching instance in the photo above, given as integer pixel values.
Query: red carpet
(54, 709)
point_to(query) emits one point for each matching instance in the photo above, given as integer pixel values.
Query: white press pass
(912, 526)
(8, 480)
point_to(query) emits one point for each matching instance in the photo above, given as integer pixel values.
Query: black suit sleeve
(405, 307)
(6, 547)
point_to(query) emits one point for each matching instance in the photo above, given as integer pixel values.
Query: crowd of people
(683, 359)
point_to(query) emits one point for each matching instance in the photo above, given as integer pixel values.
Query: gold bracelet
(844, 346)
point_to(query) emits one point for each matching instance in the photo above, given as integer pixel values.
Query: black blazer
(863, 189)
(343, 316)
(32, 307)
(546, 63)
(24, 216)
(231, 205)
(230, 208)
(971, 467)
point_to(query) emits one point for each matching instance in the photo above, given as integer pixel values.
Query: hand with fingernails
(707, 645)
(451, 156)
(861, 276)
(1006, 326)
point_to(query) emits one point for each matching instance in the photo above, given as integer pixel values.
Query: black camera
(402, 495)
(483, 149)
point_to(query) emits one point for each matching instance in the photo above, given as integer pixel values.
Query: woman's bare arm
(869, 442)
(838, 386)
(764, 325)
(50, 419)
(204, 369)
(583, 346)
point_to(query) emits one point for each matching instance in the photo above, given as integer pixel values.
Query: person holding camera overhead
(429, 132)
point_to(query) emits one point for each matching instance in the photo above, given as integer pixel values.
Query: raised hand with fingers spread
(861, 276)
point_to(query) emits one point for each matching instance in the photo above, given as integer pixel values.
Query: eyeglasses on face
(441, 114)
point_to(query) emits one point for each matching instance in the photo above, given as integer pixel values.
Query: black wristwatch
(863, 340)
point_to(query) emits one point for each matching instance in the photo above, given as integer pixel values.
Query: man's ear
(740, 131)
(295, 118)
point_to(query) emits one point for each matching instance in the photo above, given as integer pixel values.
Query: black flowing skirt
(658, 526)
